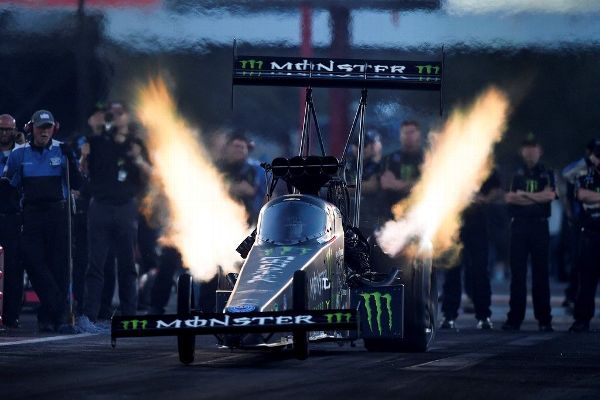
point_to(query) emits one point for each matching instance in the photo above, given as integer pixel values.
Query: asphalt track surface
(468, 364)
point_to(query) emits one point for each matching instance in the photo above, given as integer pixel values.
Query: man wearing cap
(401, 169)
(588, 193)
(531, 192)
(39, 170)
(10, 228)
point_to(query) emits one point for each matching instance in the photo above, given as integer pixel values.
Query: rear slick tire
(186, 343)
(420, 311)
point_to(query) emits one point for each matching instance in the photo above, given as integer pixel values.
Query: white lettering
(287, 65)
(303, 66)
(283, 320)
(196, 322)
(261, 320)
(214, 321)
(380, 68)
(306, 319)
(361, 67)
(398, 68)
(174, 324)
(324, 67)
(242, 321)
(345, 67)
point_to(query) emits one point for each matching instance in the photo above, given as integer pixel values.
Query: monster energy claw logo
(339, 317)
(377, 296)
(251, 64)
(134, 324)
(428, 69)
(531, 185)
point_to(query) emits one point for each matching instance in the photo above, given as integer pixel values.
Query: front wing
(379, 313)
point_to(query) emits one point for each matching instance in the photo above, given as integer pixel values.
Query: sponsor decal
(287, 251)
(338, 317)
(134, 324)
(228, 321)
(270, 268)
(379, 310)
(241, 308)
(325, 66)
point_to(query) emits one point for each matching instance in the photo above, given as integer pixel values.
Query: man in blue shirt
(10, 228)
(39, 170)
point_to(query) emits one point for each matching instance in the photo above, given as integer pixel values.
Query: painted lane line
(453, 363)
(47, 339)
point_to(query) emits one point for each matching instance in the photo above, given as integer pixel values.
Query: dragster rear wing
(337, 73)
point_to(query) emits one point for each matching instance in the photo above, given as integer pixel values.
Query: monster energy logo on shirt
(377, 296)
(531, 185)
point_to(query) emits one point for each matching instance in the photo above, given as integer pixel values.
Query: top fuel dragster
(309, 273)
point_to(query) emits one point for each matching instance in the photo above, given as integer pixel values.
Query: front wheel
(186, 343)
(299, 304)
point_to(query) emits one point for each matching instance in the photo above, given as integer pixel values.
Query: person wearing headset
(39, 170)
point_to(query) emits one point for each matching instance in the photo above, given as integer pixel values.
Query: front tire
(299, 305)
(186, 343)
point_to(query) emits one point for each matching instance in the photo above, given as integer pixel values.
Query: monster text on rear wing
(335, 72)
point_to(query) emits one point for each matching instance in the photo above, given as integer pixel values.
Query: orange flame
(204, 223)
(457, 163)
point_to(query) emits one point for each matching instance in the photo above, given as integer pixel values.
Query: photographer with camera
(117, 176)
(42, 170)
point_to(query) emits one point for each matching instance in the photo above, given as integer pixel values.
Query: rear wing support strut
(359, 118)
(309, 112)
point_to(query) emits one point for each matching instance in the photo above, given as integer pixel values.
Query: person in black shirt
(371, 205)
(588, 193)
(474, 237)
(531, 192)
(117, 176)
(10, 229)
(401, 169)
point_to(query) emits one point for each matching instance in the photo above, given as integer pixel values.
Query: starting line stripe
(47, 339)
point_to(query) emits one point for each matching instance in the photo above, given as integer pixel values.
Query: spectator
(242, 176)
(532, 191)
(39, 169)
(117, 177)
(371, 201)
(588, 193)
(10, 228)
(401, 168)
(574, 209)
(96, 125)
(474, 263)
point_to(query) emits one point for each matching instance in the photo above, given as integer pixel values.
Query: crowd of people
(527, 199)
(71, 216)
